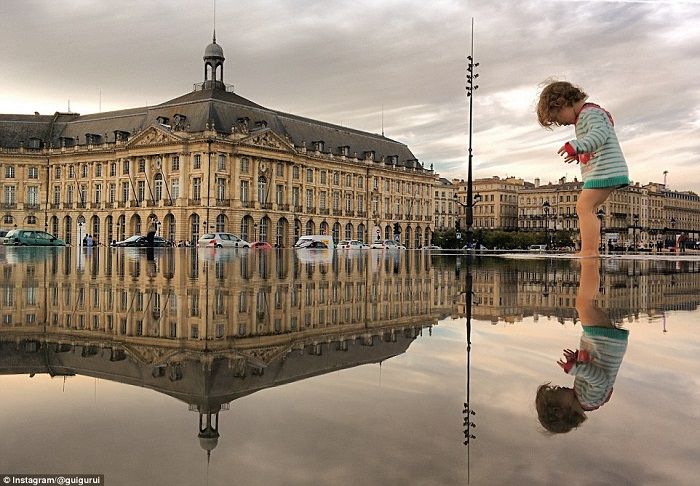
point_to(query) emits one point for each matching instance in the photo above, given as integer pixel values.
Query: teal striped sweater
(599, 152)
(600, 357)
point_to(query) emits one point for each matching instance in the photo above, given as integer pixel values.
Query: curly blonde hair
(554, 96)
(553, 417)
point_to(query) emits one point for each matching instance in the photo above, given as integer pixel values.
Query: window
(142, 165)
(295, 196)
(84, 171)
(197, 163)
(125, 191)
(295, 172)
(31, 219)
(10, 193)
(322, 200)
(221, 164)
(125, 167)
(360, 182)
(245, 165)
(336, 178)
(113, 169)
(309, 175)
(323, 177)
(220, 189)
(57, 172)
(175, 188)
(141, 190)
(112, 192)
(33, 173)
(57, 194)
(9, 172)
(279, 194)
(309, 198)
(98, 170)
(197, 188)
(280, 169)
(175, 163)
(336, 201)
(262, 190)
(33, 196)
(348, 180)
(98, 193)
(348, 202)
(69, 195)
(158, 188)
(245, 188)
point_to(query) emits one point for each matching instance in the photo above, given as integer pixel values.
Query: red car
(260, 245)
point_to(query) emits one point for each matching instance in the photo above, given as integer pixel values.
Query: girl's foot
(586, 254)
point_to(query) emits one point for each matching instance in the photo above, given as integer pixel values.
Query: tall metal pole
(471, 76)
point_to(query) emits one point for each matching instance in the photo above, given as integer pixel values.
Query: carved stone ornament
(153, 136)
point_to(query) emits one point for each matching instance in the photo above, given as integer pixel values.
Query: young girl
(596, 148)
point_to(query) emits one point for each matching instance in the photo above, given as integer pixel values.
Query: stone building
(209, 160)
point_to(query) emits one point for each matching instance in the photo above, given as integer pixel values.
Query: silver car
(222, 240)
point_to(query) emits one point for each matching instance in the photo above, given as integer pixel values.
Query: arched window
(348, 231)
(220, 223)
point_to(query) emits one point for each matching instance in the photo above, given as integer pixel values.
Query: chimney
(537, 182)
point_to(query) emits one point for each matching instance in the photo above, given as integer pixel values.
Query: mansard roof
(193, 111)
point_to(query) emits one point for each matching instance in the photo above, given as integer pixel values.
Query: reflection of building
(208, 160)
(207, 327)
(508, 291)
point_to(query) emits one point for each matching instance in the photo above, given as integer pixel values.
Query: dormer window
(369, 155)
(344, 150)
(318, 145)
(163, 120)
(92, 138)
(261, 124)
(34, 143)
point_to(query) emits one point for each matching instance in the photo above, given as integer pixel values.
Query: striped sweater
(598, 150)
(599, 360)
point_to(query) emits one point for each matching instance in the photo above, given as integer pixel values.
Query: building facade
(209, 161)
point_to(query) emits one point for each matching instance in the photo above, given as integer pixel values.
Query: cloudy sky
(392, 65)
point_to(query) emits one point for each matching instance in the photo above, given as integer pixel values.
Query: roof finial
(214, 39)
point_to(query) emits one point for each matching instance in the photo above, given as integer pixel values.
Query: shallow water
(234, 367)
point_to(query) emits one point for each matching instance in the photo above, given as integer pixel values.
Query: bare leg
(588, 312)
(588, 202)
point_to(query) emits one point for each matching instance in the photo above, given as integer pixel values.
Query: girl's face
(566, 116)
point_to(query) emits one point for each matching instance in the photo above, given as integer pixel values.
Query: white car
(350, 245)
(222, 240)
(387, 245)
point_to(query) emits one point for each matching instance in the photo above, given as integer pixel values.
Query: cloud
(349, 63)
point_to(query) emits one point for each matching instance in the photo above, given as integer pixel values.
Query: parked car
(431, 247)
(260, 245)
(537, 248)
(311, 244)
(349, 245)
(304, 241)
(222, 240)
(26, 237)
(387, 245)
(141, 241)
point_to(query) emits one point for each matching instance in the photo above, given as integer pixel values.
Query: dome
(213, 50)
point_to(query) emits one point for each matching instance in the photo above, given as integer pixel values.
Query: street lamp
(635, 221)
(471, 76)
(468, 210)
(546, 207)
(601, 214)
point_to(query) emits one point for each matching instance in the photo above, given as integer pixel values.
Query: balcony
(310, 210)
(194, 202)
(9, 205)
(325, 211)
(283, 207)
(298, 209)
(223, 202)
(266, 205)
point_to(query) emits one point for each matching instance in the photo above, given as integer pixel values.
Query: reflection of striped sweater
(600, 357)
(599, 152)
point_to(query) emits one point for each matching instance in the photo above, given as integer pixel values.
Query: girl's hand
(570, 357)
(565, 151)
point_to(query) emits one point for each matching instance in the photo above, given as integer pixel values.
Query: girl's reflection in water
(594, 365)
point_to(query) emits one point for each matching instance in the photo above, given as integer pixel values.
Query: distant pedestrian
(151, 231)
(596, 148)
